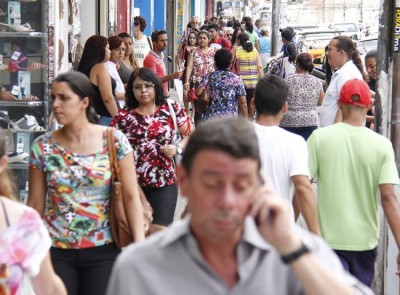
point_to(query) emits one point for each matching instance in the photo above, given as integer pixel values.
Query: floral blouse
(23, 246)
(147, 134)
(224, 87)
(203, 64)
(77, 211)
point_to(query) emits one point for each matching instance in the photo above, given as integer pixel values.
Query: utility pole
(276, 9)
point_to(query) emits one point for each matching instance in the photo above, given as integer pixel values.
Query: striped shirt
(248, 71)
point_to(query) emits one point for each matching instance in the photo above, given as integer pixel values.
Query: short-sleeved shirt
(329, 106)
(253, 37)
(147, 134)
(78, 187)
(155, 62)
(349, 163)
(23, 246)
(141, 47)
(220, 43)
(224, 89)
(203, 64)
(174, 257)
(304, 92)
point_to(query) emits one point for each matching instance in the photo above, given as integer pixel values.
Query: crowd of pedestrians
(245, 164)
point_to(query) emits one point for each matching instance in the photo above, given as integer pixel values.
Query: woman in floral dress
(148, 123)
(200, 63)
(70, 171)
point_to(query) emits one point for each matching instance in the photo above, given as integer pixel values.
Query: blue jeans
(105, 121)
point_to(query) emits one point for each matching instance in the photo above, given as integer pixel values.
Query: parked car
(348, 29)
(367, 44)
(315, 41)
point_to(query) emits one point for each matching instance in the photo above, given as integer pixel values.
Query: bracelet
(295, 255)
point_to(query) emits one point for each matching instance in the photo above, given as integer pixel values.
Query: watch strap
(295, 255)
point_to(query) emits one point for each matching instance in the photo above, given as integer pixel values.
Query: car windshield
(345, 27)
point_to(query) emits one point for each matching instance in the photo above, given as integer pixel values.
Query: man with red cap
(350, 163)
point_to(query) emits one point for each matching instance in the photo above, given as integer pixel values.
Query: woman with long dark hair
(249, 66)
(305, 94)
(148, 123)
(95, 53)
(70, 187)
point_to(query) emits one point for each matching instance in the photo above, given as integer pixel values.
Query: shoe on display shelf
(18, 158)
(27, 123)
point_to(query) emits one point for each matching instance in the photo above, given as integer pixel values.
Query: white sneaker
(27, 123)
(18, 158)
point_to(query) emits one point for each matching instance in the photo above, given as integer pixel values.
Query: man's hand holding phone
(274, 218)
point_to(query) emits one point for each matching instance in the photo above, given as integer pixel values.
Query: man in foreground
(220, 248)
(350, 163)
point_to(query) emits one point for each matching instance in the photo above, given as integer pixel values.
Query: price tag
(15, 55)
(20, 147)
(15, 90)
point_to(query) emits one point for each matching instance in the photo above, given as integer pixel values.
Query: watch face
(179, 150)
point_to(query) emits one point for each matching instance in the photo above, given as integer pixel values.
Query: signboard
(396, 46)
(179, 21)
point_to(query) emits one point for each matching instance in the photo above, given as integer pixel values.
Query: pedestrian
(351, 163)
(285, 166)
(128, 63)
(370, 65)
(239, 237)
(226, 90)
(216, 41)
(24, 241)
(117, 48)
(345, 62)
(253, 36)
(142, 44)
(188, 49)
(70, 187)
(147, 122)
(305, 94)
(192, 26)
(95, 54)
(265, 47)
(155, 59)
(200, 64)
(249, 68)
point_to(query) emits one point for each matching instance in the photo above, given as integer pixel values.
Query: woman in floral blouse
(226, 90)
(148, 123)
(200, 63)
(70, 170)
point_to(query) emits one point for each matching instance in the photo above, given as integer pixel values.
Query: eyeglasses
(139, 87)
(229, 34)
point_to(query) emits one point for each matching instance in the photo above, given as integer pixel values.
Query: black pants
(85, 271)
(163, 201)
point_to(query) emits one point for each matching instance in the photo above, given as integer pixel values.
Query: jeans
(85, 271)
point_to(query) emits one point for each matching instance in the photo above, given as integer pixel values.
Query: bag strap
(5, 213)
(114, 167)
(173, 115)
(150, 42)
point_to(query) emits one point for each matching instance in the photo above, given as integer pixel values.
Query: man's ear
(284, 108)
(182, 180)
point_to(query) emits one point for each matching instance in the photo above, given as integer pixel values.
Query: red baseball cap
(355, 87)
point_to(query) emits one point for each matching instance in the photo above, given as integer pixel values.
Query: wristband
(295, 255)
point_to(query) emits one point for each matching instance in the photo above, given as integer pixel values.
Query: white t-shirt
(112, 69)
(141, 48)
(283, 155)
(330, 107)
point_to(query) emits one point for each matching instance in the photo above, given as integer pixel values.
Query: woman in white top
(117, 47)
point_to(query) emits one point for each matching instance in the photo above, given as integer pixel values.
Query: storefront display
(23, 81)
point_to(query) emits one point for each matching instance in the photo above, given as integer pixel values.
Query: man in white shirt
(284, 155)
(341, 53)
